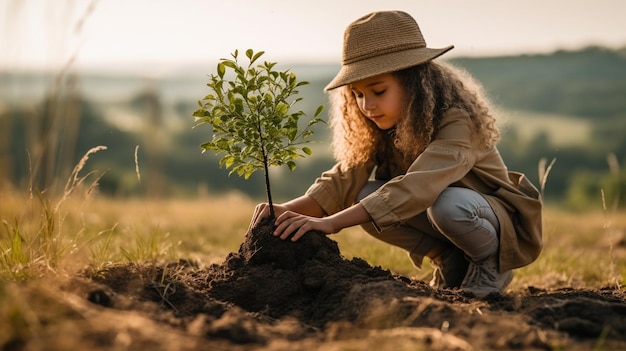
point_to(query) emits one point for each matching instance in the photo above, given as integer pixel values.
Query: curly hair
(432, 88)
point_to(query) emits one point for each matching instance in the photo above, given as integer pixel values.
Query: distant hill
(587, 83)
(120, 110)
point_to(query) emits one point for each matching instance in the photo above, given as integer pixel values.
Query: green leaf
(319, 110)
(256, 57)
(228, 161)
(291, 165)
(307, 151)
(208, 146)
(221, 70)
(230, 64)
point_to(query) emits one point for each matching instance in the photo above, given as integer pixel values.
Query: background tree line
(48, 121)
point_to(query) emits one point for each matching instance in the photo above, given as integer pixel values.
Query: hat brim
(391, 62)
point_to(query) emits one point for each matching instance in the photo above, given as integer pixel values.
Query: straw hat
(382, 42)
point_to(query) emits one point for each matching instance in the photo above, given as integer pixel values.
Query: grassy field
(562, 130)
(41, 238)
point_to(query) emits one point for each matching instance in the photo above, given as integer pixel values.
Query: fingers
(288, 224)
(300, 233)
(287, 228)
(292, 223)
(282, 223)
(260, 211)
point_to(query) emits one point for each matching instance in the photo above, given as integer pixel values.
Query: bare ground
(276, 295)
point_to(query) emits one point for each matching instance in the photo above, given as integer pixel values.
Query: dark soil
(279, 295)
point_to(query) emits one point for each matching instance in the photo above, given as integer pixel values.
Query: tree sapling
(250, 114)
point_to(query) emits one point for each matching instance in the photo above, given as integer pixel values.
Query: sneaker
(449, 269)
(483, 278)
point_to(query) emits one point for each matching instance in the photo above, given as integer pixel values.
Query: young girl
(417, 163)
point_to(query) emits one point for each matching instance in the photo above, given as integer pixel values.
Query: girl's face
(380, 98)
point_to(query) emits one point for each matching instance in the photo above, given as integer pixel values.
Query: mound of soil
(279, 295)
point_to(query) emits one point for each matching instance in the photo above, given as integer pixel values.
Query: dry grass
(99, 230)
(581, 249)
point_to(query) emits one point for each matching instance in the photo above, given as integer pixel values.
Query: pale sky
(153, 35)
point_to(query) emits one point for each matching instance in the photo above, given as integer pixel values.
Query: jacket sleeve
(337, 188)
(446, 160)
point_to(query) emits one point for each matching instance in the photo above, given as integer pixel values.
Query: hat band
(383, 51)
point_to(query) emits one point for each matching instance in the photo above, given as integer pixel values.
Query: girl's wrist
(349, 217)
(333, 224)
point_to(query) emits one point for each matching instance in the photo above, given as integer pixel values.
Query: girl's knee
(459, 210)
(447, 209)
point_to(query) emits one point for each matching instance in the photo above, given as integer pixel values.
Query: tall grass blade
(544, 171)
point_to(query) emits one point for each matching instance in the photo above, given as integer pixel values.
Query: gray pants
(461, 217)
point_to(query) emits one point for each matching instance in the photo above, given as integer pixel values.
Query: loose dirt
(279, 295)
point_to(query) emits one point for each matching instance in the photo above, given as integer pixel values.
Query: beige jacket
(452, 159)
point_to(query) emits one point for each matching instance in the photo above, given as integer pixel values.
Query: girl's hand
(297, 224)
(262, 210)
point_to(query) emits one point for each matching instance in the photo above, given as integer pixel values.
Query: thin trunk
(266, 172)
(267, 185)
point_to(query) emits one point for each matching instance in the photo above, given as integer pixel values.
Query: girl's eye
(377, 93)
(357, 94)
